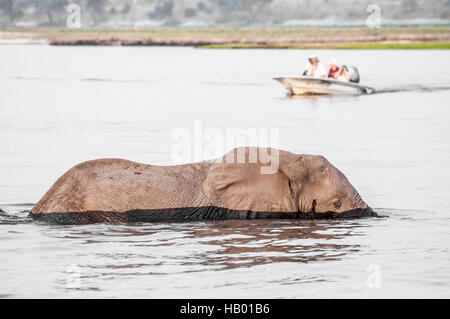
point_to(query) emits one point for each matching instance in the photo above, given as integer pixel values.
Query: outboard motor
(353, 73)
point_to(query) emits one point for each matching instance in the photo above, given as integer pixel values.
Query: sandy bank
(294, 38)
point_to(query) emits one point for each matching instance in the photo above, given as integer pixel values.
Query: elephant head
(308, 185)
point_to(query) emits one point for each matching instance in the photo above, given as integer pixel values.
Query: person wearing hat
(336, 72)
(314, 68)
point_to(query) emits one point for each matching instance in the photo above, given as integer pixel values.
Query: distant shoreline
(412, 37)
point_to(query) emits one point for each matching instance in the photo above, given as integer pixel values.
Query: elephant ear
(294, 166)
(242, 186)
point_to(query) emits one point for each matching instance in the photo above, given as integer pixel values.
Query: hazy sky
(218, 13)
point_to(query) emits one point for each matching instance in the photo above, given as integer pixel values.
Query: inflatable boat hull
(319, 86)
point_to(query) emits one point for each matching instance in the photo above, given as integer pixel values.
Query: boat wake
(411, 88)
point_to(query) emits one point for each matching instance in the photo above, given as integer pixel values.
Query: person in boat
(336, 72)
(314, 68)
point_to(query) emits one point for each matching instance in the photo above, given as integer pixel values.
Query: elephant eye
(337, 204)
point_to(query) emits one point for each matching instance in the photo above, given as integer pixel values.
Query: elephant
(234, 186)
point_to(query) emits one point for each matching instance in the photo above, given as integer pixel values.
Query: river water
(63, 105)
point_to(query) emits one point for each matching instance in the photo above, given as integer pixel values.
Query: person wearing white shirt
(314, 68)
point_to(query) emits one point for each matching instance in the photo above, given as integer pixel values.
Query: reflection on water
(183, 253)
(227, 244)
(282, 258)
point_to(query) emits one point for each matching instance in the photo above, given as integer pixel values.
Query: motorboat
(306, 85)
